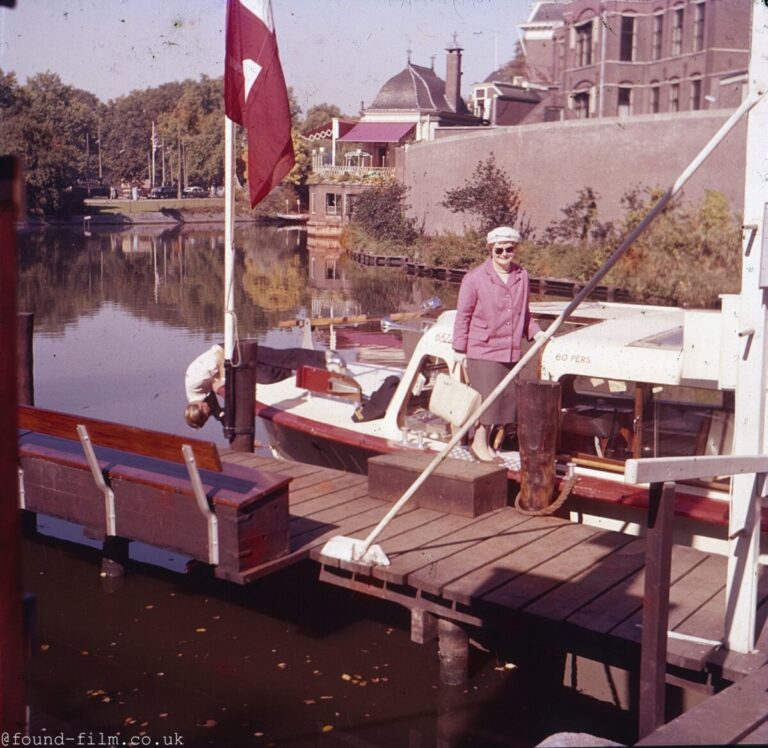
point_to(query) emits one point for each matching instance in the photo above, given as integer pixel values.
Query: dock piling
(538, 428)
(453, 652)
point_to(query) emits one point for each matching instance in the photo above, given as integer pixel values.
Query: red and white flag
(255, 95)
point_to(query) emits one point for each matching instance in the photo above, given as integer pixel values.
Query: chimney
(453, 74)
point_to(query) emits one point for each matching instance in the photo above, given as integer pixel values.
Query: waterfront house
(408, 108)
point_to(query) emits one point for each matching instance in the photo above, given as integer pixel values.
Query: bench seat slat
(117, 436)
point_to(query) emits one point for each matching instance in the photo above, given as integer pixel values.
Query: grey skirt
(484, 376)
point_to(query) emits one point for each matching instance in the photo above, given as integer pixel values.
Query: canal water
(170, 656)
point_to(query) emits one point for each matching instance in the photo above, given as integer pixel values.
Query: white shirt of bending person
(205, 374)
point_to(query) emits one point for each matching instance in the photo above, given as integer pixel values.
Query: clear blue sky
(335, 51)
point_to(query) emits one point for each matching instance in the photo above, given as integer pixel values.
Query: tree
(50, 124)
(515, 67)
(580, 222)
(489, 195)
(380, 212)
(318, 115)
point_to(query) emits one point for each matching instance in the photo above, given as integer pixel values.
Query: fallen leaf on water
(346, 676)
(163, 715)
(258, 734)
(207, 723)
(148, 607)
(201, 630)
(129, 721)
(106, 700)
(45, 647)
(309, 701)
(316, 672)
(327, 728)
(282, 665)
(85, 653)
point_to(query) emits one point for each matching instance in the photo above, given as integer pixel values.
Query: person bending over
(205, 376)
(492, 316)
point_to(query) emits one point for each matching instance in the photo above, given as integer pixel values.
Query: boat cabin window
(415, 414)
(615, 420)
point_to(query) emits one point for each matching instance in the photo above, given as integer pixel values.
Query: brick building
(619, 58)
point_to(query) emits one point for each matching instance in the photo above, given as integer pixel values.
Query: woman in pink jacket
(491, 318)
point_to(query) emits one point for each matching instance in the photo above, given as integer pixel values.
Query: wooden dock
(506, 571)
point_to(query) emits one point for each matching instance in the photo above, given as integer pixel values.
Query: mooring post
(24, 369)
(658, 566)
(243, 399)
(453, 652)
(538, 418)
(12, 648)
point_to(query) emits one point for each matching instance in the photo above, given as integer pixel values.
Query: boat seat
(328, 383)
(600, 427)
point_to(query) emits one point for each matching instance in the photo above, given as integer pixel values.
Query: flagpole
(229, 233)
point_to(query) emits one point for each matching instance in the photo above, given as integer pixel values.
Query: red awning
(378, 132)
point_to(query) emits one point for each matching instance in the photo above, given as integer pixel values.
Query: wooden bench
(158, 488)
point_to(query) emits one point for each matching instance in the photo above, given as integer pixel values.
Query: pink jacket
(492, 318)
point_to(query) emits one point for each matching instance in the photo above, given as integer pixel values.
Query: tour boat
(636, 381)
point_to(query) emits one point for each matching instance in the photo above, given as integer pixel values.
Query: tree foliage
(381, 212)
(318, 115)
(580, 221)
(51, 125)
(489, 196)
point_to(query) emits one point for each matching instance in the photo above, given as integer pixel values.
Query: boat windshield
(616, 420)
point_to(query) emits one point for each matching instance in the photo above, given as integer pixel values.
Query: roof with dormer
(414, 89)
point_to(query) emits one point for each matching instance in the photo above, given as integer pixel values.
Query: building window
(698, 27)
(333, 202)
(677, 31)
(584, 44)
(695, 94)
(658, 29)
(581, 105)
(655, 98)
(627, 41)
(674, 96)
(625, 101)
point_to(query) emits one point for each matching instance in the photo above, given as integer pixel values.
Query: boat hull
(302, 440)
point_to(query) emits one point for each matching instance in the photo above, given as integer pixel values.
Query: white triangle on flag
(251, 70)
(262, 9)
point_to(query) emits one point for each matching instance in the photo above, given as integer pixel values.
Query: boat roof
(631, 343)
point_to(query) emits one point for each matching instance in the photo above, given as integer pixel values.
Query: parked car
(194, 192)
(164, 191)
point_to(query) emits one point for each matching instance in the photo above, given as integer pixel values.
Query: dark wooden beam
(12, 690)
(658, 565)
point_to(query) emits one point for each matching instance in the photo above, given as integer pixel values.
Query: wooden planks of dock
(504, 568)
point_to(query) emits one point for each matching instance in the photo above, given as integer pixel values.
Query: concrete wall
(551, 162)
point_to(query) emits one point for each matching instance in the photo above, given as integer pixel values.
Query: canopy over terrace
(385, 136)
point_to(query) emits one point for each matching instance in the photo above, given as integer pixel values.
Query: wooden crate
(458, 487)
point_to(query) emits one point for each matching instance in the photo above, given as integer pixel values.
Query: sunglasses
(498, 251)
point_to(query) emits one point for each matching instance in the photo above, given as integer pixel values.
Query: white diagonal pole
(749, 417)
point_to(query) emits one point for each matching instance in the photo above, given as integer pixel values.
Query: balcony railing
(355, 171)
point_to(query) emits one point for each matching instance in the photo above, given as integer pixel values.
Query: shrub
(489, 195)
(380, 212)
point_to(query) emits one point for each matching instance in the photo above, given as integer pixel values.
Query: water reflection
(119, 313)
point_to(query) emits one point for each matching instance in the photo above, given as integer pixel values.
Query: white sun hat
(503, 234)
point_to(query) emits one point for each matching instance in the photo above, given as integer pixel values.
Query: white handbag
(452, 400)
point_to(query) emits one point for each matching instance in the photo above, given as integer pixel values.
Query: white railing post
(749, 420)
